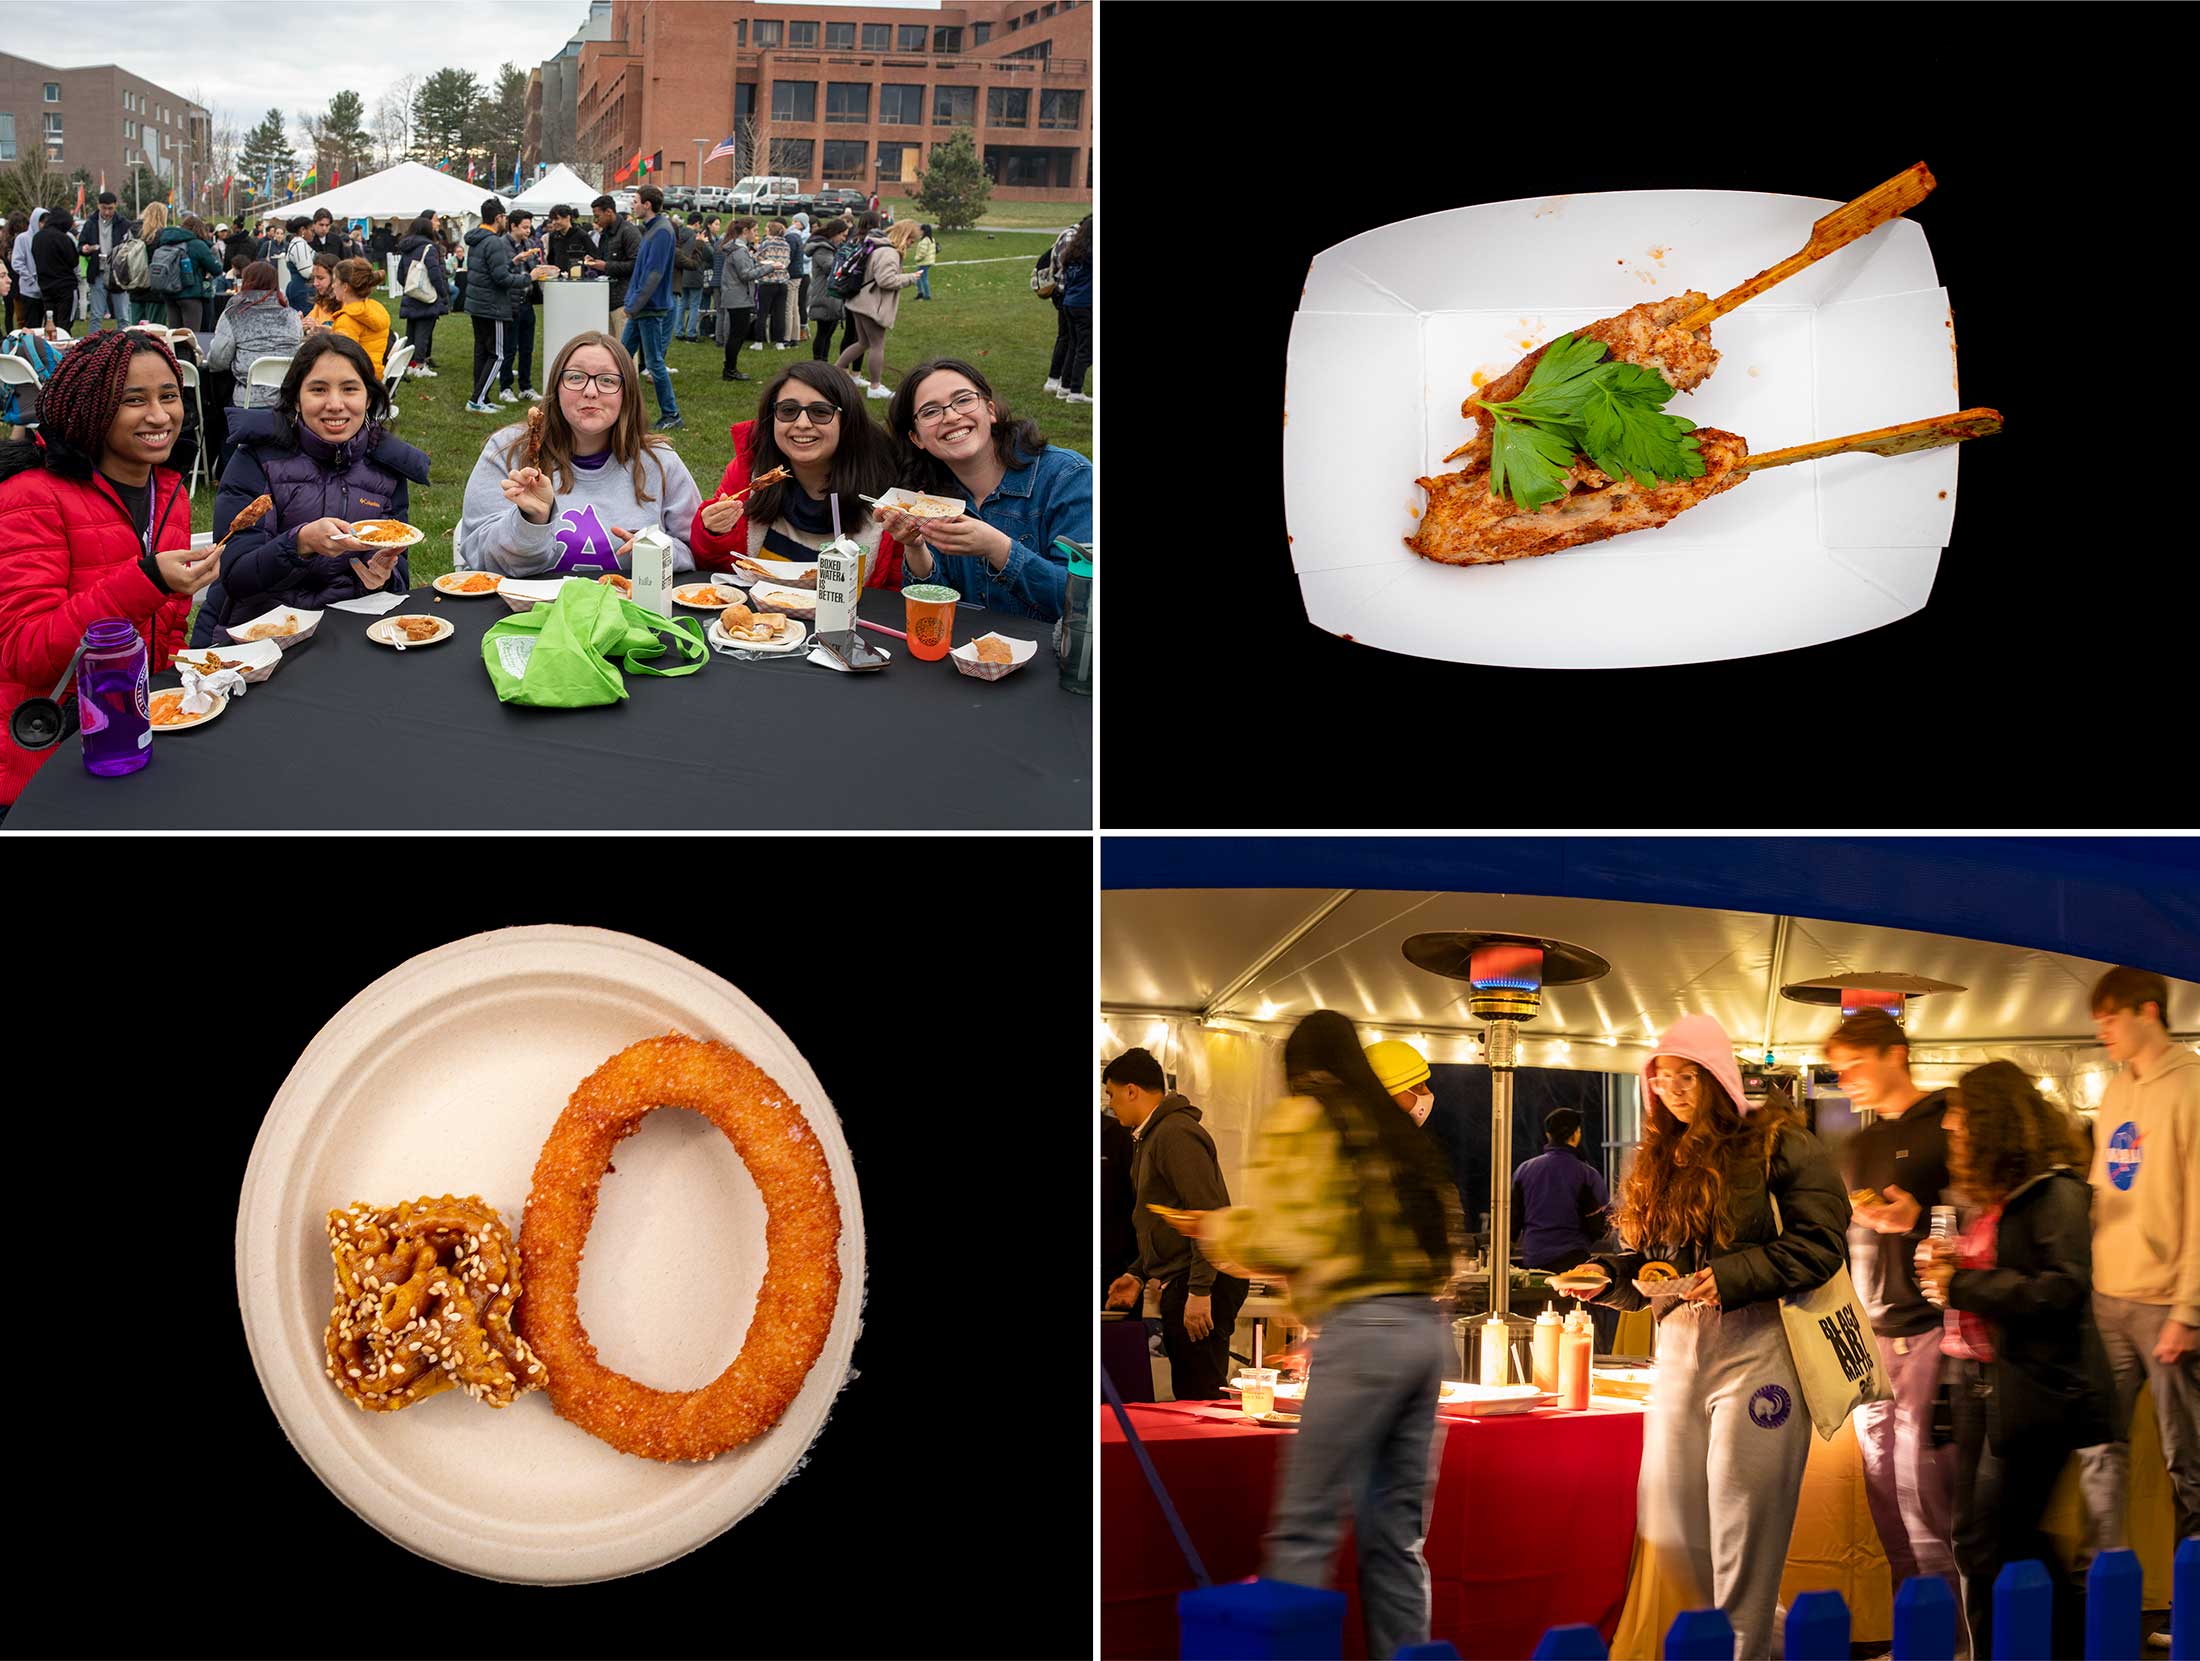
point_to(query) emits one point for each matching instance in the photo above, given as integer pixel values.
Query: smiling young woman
(94, 522)
(322, 455)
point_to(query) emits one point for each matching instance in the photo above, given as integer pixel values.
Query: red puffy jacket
(715, 553)
(70, 558)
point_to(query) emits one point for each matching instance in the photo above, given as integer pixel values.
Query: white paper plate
(795, 602)
(221, 702)
(414, 535)
(907, 499)
(383, 632)
(797, 632)
(721, 598)
(445, 585)
(445, 1076)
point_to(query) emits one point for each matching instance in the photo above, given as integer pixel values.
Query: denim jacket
(1035, 504)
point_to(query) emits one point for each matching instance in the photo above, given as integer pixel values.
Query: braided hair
(80, 403)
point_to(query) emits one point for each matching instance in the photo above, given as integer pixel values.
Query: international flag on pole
(725, 148)
(80, 215)
(515, 192)
(469, 170)
(336, 175)
(627, 172)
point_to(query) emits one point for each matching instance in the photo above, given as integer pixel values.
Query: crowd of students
(2074, 1276)
(96, 524)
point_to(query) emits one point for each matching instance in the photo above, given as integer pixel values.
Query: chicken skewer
(1673, 335)
(251, 514)
(1466, 525)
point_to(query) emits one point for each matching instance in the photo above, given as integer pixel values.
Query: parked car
(831, 204)
(681, 197)
(623, 201)
(713, 198)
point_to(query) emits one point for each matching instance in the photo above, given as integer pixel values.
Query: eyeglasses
(1679, 1084)
(574, 379)
(789, 411)
(930, 415)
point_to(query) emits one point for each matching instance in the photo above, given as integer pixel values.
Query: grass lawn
(984, 313)
(1052, 214)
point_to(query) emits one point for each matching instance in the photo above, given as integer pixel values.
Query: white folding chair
(199, 457)
(393, 371)
(267, 371)
(15, 372)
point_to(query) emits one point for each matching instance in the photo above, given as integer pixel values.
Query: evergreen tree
(267, 146)
(952, 188)
(446, 118)
(504, 113)
(344, 136)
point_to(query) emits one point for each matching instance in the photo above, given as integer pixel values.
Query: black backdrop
(945, 1507)
(2054, 195)
(1460, 1121)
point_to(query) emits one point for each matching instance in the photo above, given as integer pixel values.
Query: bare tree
(392, 126)
(224, 141)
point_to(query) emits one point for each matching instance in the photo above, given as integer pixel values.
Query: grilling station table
(350, 734)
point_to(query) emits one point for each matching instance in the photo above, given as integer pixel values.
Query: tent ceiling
(1175, 949)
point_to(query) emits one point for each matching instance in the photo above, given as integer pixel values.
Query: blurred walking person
(1344, 1195)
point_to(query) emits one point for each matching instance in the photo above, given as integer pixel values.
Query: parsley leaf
(1573, 404)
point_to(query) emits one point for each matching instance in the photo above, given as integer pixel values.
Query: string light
(1267, 1010)
(2045, 1083)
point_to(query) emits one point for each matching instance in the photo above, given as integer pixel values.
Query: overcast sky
(242, 59)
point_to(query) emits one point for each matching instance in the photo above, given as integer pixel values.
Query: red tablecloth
(1534, 1523)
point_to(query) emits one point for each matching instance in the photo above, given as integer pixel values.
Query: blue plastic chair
(1577, 1641)
(1818, 1627)
(1700, 1635)
(1260, 1620)
(1924, 1619)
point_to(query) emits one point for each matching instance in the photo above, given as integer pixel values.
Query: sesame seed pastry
(424, 1297)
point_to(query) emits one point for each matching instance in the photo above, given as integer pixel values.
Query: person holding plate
(1729, 1431)
(324, 458)
(957, 438)
(813, 424)
(571, 500)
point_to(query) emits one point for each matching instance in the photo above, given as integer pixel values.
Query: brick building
(840, 95)
(103, 119)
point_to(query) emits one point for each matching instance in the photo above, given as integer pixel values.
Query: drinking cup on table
(1257, 1391)
(931, 619)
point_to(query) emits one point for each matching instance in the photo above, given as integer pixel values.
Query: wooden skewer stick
(1837, 230)
(1886, 441)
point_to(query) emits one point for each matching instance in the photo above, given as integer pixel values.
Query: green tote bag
(559, 656)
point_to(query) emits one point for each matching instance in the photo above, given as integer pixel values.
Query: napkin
(370, 605)
(824, 659)
(199, 690)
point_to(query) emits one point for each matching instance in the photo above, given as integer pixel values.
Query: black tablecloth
(349, 734)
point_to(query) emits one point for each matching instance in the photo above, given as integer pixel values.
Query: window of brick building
(844, 158)
(793, 155)
(744, 99)
(840, 37)
(53, 125)
(980, 33)
(767, 35)
(794, 100)
(889, 159)
(53, 92)
(911, 37)
(947, 40)
(900, 105)
(802, 34)
(877, 37)
(741, 32)
(7, 136)
(954, 106)
(1060, 109)
(847, 103)
(1008, 106)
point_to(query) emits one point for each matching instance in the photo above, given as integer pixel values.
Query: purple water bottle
(112, 699)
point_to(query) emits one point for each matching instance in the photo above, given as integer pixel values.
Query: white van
(748, 191)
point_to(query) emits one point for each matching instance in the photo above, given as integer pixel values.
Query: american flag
(725, 148)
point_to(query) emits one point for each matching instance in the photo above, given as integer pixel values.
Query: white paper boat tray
(1393, 325)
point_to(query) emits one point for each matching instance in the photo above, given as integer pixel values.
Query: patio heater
(1505, 975)
(1878, 989)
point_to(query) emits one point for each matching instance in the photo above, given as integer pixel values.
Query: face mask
(1422, 1104)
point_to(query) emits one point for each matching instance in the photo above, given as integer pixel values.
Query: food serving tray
(445, 1076)
(1394, 325)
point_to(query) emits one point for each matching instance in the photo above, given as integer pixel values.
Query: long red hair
(1682, 1182)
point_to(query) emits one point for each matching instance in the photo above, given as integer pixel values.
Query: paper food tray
(525, 593)
(261, 657)
(308, 621)
(1394, 324)
(969, 663)
(1482, 1400)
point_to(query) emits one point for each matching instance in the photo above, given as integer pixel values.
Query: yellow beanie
(1398, 1065)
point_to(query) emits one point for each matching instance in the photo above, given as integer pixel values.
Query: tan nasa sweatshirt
(2146, 1186)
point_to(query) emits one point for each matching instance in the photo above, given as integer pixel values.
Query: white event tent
(400, 192)
(560, 184)
(1212, 979)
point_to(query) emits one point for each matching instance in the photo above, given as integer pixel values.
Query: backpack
(32, 348)
(846, 280)
(127, 266)
(170, 269)
(1043, 281)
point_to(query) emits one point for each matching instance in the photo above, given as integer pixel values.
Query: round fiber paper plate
(382, 535)
(451, 583)
(221, 702)
(445, 1076)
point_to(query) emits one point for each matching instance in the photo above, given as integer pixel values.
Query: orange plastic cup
(931, 618)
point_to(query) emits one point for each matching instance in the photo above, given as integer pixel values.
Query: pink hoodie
(1700, 1039)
